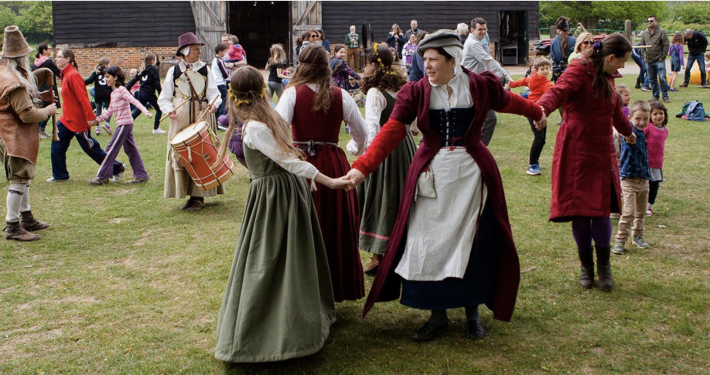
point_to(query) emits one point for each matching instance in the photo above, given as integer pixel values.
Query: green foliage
(692, 12)
(33, 17)
(592, 13)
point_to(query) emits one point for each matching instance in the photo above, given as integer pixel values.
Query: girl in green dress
(279, 299)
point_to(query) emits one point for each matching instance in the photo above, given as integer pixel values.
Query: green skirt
(279, 299)
(380, 195)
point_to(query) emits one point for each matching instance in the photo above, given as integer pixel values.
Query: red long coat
(584, 163)
(413, 101)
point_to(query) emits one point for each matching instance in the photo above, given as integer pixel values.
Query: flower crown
(382, 65)
(240, 102)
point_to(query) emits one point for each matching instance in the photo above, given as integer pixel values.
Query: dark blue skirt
(478, 283)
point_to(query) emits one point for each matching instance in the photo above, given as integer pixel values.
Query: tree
(33, 17)
(591, 12)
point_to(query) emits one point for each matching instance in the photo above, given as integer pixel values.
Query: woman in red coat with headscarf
(585, 176)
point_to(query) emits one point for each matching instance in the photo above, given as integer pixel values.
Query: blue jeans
(222, 107)
(701, 64)
(90, 146)
(642, 66)
(656, 72)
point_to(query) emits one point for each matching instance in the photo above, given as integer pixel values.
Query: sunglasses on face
(314, 36)
(587, 42)
(651, 20)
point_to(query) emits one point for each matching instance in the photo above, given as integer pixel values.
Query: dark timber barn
(126, 31)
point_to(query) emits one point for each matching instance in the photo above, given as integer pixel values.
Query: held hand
(338, 183)
(631, 139)
(51, 109)
(354, 177)
(149, 115)
(507, 86)
(541, 123)
(173, 115)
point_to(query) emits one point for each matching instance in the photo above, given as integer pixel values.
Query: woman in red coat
(451, 245)
(585, 176)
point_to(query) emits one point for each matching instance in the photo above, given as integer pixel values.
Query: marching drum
(195, 149)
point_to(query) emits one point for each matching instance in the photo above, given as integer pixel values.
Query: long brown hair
(248, 102)
(615, 44)
(562, 24)
(148, 60)
(385, 76)
(314, 67)
(102, 64)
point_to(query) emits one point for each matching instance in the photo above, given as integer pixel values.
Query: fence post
(627, 31)
(553, 32)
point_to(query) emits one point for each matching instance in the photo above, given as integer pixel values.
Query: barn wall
(121, 23)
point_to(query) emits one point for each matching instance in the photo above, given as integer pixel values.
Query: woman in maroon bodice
(316, 110)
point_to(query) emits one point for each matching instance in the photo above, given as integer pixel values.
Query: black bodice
(451, 125)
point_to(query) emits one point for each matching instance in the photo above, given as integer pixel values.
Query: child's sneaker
(640, 241)
(107, 128)
(534, 170)
(98, 132)
(649, 212)
(347, 129)
(618, 248)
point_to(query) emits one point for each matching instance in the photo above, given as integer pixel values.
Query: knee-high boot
(586, 260)
(606, 282)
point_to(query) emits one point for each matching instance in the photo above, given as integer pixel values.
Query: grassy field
(124, 282)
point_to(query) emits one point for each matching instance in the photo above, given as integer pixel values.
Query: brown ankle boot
(586, 276)
(606, 281)
(14, 231)
(371, 269)
(30, 224)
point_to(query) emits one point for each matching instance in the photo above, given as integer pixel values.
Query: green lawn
(124, 282)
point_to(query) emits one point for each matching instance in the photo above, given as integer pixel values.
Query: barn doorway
(258, 25)
(513, 33)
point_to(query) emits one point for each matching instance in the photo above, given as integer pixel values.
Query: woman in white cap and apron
(189, 80)
(451, 245)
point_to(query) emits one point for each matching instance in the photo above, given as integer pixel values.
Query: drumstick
(202, 114)
(176, 108)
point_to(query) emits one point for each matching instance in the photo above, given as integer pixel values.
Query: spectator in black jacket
(697, 44)
(102, 91)
(395, 39)
(43, 60)
(150, 82)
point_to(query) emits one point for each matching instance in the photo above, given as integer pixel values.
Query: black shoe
(429, 331)
(475, 329)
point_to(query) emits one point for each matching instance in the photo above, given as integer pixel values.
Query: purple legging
(584, 229)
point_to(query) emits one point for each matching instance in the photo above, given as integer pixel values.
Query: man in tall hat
(19, 126)
(188, 81)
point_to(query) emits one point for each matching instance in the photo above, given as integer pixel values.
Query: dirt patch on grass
(144, 237)
(123, 191)
(119, 220)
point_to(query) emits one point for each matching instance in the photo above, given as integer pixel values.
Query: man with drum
(188, 91)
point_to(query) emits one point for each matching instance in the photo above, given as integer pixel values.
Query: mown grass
(123, 282)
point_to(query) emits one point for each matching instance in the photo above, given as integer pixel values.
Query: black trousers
(146, 98)
(538, 143)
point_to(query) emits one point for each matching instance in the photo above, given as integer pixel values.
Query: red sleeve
(521, 106)
(521, 82)
(79, 88)
(565, 87)
(391, 134)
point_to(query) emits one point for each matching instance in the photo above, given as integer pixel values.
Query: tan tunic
(178, 183)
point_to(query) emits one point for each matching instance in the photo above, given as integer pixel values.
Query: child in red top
(538, 83)
(656, 135)
(236, 53)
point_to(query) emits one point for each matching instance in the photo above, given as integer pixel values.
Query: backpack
(693, 111)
